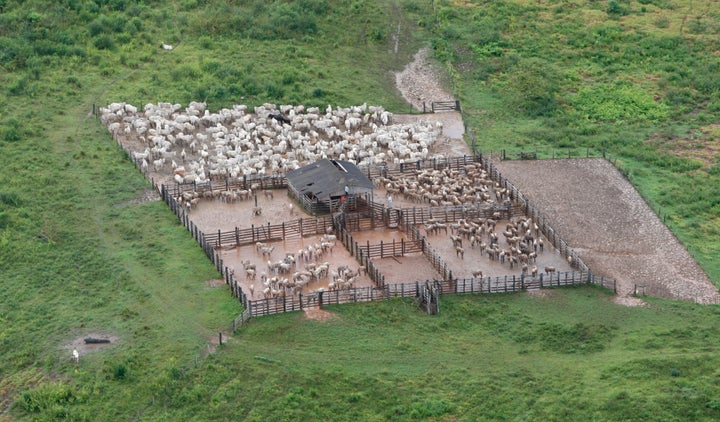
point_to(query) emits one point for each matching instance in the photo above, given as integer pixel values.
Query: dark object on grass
(92, 340)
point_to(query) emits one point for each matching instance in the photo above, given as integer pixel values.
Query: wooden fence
(232, 183)
(391, 249)
(507, 284)
(419, 215)
(445, 106)
(313, 207)
(436, 163)
(534, 213)
(270, 232)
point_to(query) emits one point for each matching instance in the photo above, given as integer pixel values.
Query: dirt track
(599, 213)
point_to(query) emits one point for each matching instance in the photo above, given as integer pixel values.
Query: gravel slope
(598, 212)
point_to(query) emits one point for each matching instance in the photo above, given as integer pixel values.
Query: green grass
(77, 257)
(571, 354)
(593, 76)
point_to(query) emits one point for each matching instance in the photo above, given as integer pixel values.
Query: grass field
(77, 255)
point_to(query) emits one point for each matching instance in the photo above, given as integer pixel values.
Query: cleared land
(598, 212)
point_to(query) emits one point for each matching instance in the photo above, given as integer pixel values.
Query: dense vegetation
(78, 255)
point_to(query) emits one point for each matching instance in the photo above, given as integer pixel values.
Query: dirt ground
(213, 215)
(83, 348)
(599, 213)
(461, 267)
(232, 258)
(406, 269)
(473, 260)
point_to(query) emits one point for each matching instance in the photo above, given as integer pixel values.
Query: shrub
(104, 42)
(250, 86)
(430, 409)
(621, 101)
(10, 198)
(662, 22)
(47, 397)
(206, 42)
(211, 66)
(697, 26)
(119, 372)
(95, 27)
(4, 220)
(615, 8)
(17, 87)
(378, 34)
(273, 91)
(533, 86)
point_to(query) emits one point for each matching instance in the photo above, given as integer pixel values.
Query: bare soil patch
(406, 269)
(211, 215)
(629, 301)
(473, 260)
(598, 212)
(83, 348)
(317, 314)
(216, 282)
(233, 258)
(147, 195)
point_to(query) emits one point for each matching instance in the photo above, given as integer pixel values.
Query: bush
(273, 91)
(533, 86)
(612, 102)
(14, 52)
(662, 22)
(206, 42)
(10, 198)
(4, 220)
(47, 397)
(104, 42)
(250, 86)
(119, 372)
(430, 409)
(615, 8)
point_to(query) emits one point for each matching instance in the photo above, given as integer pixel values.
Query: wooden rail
(445, 106)
(271, 232)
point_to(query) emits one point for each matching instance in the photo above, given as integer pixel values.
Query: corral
(453, 221)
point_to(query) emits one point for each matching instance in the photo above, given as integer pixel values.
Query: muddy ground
(232, 258)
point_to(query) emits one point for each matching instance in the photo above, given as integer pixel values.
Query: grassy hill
(78, 255)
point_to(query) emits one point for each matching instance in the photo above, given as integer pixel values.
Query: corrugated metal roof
(326, 178)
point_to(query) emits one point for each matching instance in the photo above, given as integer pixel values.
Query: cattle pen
(368, 215)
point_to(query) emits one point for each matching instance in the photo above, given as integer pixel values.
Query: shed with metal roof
(325, 185)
